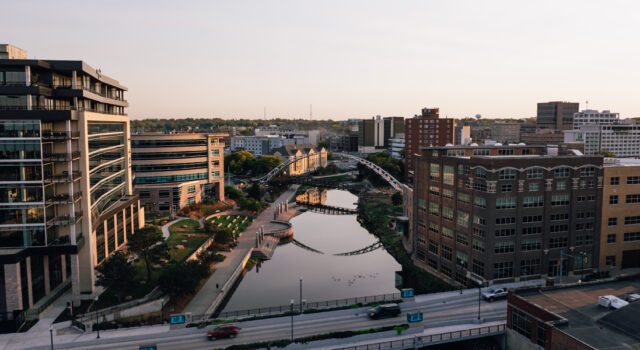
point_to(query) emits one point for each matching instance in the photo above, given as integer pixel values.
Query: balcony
(62, 178)
(60, 135)
(39, 108)
(61, 157)
(64, 198)
(103, 93)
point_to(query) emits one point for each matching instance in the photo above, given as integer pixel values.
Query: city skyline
(350, 60)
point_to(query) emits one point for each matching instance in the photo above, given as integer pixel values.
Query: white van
(611, 301)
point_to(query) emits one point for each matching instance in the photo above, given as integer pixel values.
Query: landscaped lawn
(226, 219)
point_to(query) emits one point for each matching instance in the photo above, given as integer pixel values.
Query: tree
(116, 273)
(223, 235)
(265, 164)
(150, 246)
(607, 153)
(180, 279)
(254, 191)
(396, 198)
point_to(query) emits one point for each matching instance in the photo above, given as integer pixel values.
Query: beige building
(175, 170)
(620, 238)
(66, 198)
(316, 158)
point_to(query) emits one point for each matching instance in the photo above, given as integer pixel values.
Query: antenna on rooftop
(310, 111)
(587, 101)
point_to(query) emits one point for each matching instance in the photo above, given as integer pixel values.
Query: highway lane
(436, 312)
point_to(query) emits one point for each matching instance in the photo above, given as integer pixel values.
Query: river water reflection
(325, 275)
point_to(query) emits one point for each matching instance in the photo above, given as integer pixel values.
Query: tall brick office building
(425, 130)
(505, 212)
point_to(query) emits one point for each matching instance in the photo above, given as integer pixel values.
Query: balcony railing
(60, 135)
(61, 157)
(58, 108)
(103, 93)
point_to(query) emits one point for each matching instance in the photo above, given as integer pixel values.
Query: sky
(348, 59)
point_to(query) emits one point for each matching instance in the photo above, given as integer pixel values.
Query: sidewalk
(224, 270)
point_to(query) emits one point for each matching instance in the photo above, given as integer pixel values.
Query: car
(223, 331)
(493, 294)
(386, 310)
(611, 301)
(632, 297)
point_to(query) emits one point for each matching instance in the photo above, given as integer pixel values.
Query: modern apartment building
(505, 213)
(556, 115)
(425, 130)
(393, 129)
(620, 227)
(175, 170)
(290, 132)
(590, 116)
(622, 139)
(316, 158)
(258, 145)
(66, 194)
(370, 135)
(505, 132)
(396, 146)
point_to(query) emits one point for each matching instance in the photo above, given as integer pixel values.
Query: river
(325, 276)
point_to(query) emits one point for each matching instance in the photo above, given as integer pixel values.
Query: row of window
(631, 180)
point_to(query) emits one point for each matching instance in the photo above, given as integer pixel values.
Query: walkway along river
(318, 256)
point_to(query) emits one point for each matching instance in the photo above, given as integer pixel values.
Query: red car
(223, 331)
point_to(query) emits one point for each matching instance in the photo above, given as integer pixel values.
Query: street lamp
(97, 327)
(480, 281)
(583, 256)
(292, 302)
(300, 294)
(51, 333)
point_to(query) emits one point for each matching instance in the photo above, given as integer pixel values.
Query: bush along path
(374, 213)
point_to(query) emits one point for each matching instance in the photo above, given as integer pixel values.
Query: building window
(558, 242)
(506, 232)
(560, 173)
(478, 245)
(462, 259)
(481, 173)
(529, 267)
(448, 175)
(505, 152)
(612, 221)
(191, 200)
(530, 244)
(535, 173)
(447, 213)
(541, 334)
(631, 220)
(533, 201)
(503, 269)
(611, 238)
(447, 253)
(633, 199)
(559, 200)
(462, 238)
(434, 209)
(534, 187)
(434, 171)
(447, 232)
(534, 230)
(507, 174)
(463, 218)
(521, 322)
(561, 185)
(422, 204)
(613, 199)
(479, 232)
(614, 181)
(632, 236)
(434, 190)
(504, 247)
(446, 193)
(532, 218)
(633, 180)
(464, 197)
(559, 217)
(434, 228)
(479, 202)
(588, 171)
(558, 228)
(144, 194)
(163, 206)
(506, 188)
(506, 221)
(433, 247)
(163, 194)
(506, 203)
(477, 267)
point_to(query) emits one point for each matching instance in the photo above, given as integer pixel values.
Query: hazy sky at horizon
(350, 59)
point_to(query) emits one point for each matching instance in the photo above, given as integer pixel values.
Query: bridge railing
(274, 310)
(419, 341)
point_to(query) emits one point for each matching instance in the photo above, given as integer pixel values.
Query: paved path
(224, 270)
(165, 227)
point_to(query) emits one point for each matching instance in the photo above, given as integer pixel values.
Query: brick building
(425, 130)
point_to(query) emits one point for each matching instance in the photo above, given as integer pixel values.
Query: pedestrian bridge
(393, 182)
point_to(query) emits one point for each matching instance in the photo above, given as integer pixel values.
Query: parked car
(611, 301)
(223, 331)
(493, 294)
(632, 297)
(386, 310)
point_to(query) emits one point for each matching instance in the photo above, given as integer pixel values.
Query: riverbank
(374, 211)
(214, 291)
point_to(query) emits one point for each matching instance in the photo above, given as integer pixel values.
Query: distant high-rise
(66, 198)
(425, 130)
(556, 115)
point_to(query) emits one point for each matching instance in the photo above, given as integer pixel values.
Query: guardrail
(274, 310)
(420, 341)
(153, 295)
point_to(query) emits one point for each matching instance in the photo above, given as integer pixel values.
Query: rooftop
(586, 320)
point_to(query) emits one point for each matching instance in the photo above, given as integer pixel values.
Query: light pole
(583, 256)
(97, 327)
(292, 302)
(51, 333)
(480, 281)
(301, 295)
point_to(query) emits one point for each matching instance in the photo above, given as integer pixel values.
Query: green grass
(225, 221)
(188, 234)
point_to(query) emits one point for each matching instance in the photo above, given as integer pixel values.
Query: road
(438, 310)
